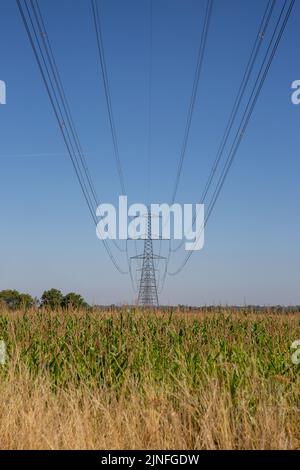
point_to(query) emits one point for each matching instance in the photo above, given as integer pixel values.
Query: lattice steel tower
(148, 288)
(147, 294)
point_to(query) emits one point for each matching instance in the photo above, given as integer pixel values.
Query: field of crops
(130, 379)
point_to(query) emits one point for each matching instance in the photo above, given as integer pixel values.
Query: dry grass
(124, 380)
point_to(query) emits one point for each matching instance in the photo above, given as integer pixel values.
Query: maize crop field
(142, 379)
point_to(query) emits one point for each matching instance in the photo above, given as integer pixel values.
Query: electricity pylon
(147, 295)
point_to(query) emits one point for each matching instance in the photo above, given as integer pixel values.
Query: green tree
(14, 300)
(10, 298)
(73, 300)
(52, 299)
(26, 301)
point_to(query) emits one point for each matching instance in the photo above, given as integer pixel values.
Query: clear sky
(47, 239)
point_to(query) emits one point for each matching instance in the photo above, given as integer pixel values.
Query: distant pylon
(147, 295)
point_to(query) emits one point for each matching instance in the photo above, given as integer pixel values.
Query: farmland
(131, 378)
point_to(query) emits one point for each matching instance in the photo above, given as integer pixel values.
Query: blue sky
(251, 252)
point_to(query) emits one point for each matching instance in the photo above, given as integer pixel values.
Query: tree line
(51, 299)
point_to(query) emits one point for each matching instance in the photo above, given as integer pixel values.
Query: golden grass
(149, 380)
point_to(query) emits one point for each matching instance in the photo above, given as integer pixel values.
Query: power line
(248, 112)
(35, 28)
(61, 90)
(147, 290)
(198, 70)
(105, 79)
(60, 108)
(149, 139)
(100, 47)
(197, 74)
(237, 102)
(104, 74)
